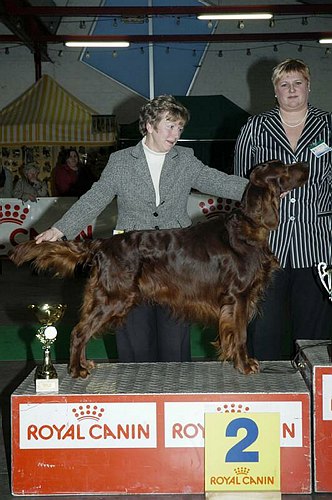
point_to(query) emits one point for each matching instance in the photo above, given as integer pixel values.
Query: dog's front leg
(233, 338)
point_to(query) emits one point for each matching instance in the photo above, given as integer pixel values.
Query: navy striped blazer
(302, 235)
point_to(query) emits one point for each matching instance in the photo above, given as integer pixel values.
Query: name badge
(319, 148)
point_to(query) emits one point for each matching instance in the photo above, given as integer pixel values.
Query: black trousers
(152, 334)
(295, 306)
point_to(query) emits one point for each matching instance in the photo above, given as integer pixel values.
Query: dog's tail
(59, 257)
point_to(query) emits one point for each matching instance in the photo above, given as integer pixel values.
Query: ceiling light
(97, 44)
(234, 16)
(325, 40)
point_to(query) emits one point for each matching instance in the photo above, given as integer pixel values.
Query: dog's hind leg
(233, 338)
(98, 312)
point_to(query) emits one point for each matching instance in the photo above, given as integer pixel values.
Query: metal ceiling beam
(271, 36)
(84, 11)
(28, 30)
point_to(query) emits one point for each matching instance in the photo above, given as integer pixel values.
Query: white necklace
(296, 124)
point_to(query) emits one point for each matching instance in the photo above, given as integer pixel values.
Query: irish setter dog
(214, 272)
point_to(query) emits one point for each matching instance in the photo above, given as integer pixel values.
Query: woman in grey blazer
(151, 182)
(293, 131)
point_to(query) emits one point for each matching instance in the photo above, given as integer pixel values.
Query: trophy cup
(46, 377)
(325, 275)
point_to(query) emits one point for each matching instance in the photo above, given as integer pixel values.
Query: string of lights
(142, 49)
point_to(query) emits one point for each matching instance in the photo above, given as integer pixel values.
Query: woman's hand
(52, 234)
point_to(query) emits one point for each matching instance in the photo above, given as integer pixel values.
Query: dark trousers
(295, 306)
(152, 334)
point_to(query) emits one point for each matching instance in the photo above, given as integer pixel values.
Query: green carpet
(20, 343)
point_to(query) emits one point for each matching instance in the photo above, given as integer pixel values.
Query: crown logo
(16, 214)
(88, 412)
(233, 408)
(244, 471)
(214, 207)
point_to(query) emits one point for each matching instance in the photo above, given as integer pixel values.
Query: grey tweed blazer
(127, 177)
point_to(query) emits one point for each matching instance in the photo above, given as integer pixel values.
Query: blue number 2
(237, 453)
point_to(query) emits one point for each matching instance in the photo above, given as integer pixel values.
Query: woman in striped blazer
(293, 131)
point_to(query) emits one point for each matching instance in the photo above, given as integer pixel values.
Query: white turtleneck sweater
(155, 161)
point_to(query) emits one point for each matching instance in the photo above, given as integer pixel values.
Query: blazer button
(156, 227)
(155, 214)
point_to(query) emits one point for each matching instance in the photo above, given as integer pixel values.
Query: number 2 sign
(242, 452)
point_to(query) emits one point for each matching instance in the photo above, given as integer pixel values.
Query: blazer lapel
(274, 126)
(142, 170)
(314, 124)
(169, 174)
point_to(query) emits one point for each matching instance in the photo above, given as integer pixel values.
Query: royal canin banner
(21, 221)
(134, 425)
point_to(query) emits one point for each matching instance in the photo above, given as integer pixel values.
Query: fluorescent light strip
(239, 17)
(97, 44)
(325, 40)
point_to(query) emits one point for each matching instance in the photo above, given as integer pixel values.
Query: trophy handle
(325, 276)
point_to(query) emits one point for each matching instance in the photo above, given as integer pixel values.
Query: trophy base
(47, 385)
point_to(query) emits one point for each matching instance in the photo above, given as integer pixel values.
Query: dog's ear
(270, 208)
(263, 196)
(261, 204)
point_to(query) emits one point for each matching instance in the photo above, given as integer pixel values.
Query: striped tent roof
(46, 114)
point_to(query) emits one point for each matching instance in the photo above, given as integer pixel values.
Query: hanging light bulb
(272, 23)
(240, 25)
(210, 24)
(142, 50)
(115, 23)
(194, 53)
(167, 50)
(87, 54)
(300, 48)
(6, 51)
(220, 54)
(304, 21)
(60, 53)
(275, 48)
(114, 53)
(248, 52)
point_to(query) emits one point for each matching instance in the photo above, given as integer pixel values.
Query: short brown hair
(290, 66)
(151, 112)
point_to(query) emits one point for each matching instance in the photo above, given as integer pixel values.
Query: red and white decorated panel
(316, 365)
(21, 221)
(139, 428)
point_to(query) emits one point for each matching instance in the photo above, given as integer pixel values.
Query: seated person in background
(71, 178)
(29, 187)
(6, 183)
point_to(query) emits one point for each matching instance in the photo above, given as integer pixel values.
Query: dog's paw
(81, 371)
(251, 365)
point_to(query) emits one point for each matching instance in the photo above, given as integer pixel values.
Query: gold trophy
(325, 275)
(46, 377)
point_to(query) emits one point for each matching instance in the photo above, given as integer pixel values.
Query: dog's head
(280, 176)
(267, 181)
